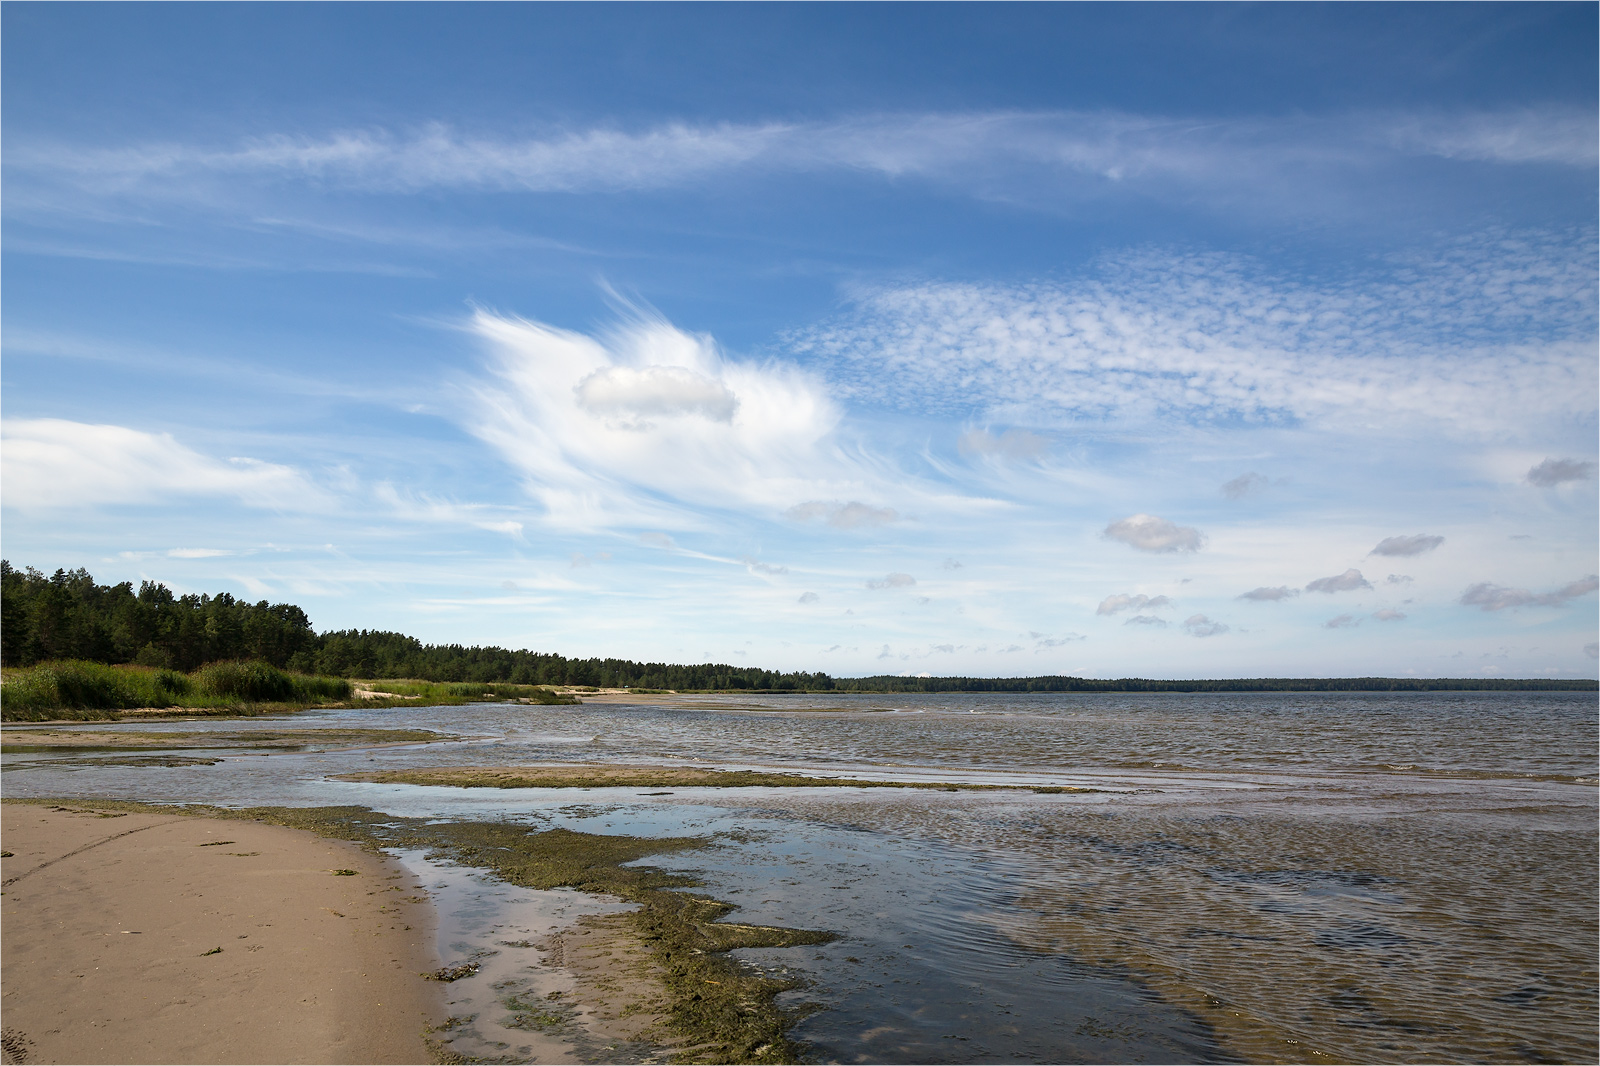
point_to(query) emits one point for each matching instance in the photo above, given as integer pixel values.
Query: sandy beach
(156, 938)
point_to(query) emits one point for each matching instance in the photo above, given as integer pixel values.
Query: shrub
(254, 681)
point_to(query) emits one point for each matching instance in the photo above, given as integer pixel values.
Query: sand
(110, 926)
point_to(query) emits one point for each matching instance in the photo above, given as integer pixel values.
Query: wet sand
(112, 922)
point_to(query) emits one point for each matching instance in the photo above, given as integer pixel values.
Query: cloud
(1270, 595)
(48, 463)
(1556, 471)
(852, 515)
(657, 540)
(1146, 620)
(951, 564)
(581, 561)
(1398, 579)
(1491, 597)
(1494, 330)
(1130, 601)
(1198, 625)
(1416, 544)
(810, 597)
(1082, 152)
(1389, 615)
(1148, 533)
(756, 567)
(1244, 485)
(1344, 621)
(1348, 581)
(655, 390)
(893, 581)
(1012, 444)
(1056, 642)
(1592, 649)
(647, 425)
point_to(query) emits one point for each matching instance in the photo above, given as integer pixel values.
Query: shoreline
(144, 936)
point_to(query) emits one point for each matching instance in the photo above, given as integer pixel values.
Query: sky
(1002, 340)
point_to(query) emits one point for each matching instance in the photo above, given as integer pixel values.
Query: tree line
(68, 616)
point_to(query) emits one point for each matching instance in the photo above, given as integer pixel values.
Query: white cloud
(647, 425)
(1348, 581)
(1389, 615)
(1416, 544)
(893, 581)
(1130, 601)
(1553, 472)
(1198, 625)
(1265, 594)
(1344, 621)
(809, 597)
(55, 463)
(852, 515)
(765, 569)
(1087, 151)
(1492, 597)
(1044, 643)
(1146, 620)
(1148, 533)
(1494, 331)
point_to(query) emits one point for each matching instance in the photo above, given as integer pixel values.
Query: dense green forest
(66, 615)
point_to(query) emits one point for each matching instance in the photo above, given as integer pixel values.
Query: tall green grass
(75, 688)
(468, 690)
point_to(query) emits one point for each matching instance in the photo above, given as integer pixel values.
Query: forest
(66, 615)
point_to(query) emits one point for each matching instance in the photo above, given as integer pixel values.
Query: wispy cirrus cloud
(53, 463)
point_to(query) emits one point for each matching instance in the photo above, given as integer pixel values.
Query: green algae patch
(715, 1010)
(609, 776)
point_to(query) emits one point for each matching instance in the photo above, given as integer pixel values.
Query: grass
(603, 776)
(723, 1012)
(445, 692)
(74, 689)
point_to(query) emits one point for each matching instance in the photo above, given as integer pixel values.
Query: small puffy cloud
(1272, 594)
(657, 540)
(1388, 615)
(951, 564)
(1555, 471)
(809, 597)
(1148, 533)
(1348, 581)
(52, 462)
(1244, 485)
(893, 581)
(1012, 444)
(1416, 544)
(1344, 621)
(1130, 601)
(1146, 620)
(1398, 579)
(852, 515)
(1592, 650)
(580, 560)
(664, 391)
(756, 567)
(1492, 597)
(1198, 625)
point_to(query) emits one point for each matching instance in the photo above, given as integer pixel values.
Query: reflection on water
(1369, 877)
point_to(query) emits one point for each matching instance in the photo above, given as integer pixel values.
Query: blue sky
(1106, 340)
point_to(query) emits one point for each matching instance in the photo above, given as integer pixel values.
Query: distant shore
(151, 937)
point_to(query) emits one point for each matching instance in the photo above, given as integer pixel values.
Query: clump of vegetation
(83, 690)
(459, 691)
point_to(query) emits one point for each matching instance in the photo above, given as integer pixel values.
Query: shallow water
(1339, 876)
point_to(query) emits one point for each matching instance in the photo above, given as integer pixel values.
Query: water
(1263, 877)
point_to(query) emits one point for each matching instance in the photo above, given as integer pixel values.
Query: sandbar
(165, 938)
